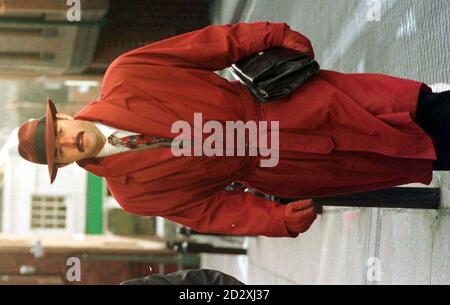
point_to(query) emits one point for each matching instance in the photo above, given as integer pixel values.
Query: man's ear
(60, 165)
(63, 116)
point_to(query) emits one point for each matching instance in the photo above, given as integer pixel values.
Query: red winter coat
(339, 133)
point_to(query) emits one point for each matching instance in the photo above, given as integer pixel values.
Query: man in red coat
(338, 133)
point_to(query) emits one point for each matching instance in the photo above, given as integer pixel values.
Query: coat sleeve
(216, 47)
(226, 212)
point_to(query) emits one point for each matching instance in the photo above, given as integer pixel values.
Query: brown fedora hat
(37, 140)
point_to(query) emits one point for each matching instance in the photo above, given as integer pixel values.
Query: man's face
(76, 140)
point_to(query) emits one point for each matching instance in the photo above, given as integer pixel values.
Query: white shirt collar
(108, 149)
(104, 129)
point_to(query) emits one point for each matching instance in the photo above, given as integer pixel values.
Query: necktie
(139, 141)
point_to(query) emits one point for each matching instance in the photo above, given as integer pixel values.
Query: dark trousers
(433, 116)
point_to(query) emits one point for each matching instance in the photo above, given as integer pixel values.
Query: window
(48, 212)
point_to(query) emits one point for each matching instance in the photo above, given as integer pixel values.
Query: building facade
(31, 205)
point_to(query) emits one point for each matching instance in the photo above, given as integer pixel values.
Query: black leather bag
(275, 72)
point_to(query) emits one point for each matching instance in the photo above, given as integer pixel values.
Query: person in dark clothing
(187, 277)
(433, 115)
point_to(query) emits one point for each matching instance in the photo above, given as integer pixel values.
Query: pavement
(366, 246)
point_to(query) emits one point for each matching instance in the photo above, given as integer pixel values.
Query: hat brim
(50, 124)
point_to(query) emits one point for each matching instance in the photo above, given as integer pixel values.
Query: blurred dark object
(134, 23)
(186, 231)
(395, 198)
(187, 277)
(193, 247)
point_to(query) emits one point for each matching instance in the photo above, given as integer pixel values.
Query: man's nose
(67, 141)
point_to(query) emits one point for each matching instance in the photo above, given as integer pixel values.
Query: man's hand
(295, 41)
(299, 216)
